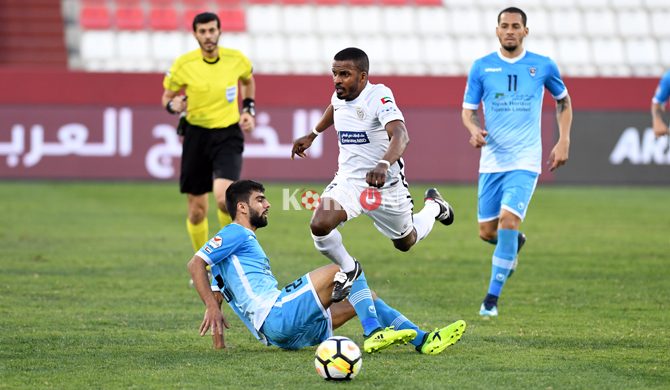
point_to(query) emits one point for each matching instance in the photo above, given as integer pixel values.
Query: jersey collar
(511, 60)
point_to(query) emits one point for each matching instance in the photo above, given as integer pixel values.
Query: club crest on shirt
(532, 71)
(215, 242)
(360, 113)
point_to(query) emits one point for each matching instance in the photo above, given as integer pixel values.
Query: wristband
(388, 164)
(249, 106)
(315, 132)
(168, 107)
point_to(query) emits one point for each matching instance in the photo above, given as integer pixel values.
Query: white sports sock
(424, 219)
(331, 247)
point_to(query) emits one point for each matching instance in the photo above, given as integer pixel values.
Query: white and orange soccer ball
(338, 359)
(310, 200)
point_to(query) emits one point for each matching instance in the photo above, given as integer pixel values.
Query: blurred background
(81, 82)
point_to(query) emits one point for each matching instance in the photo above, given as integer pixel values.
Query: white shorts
(392, 217)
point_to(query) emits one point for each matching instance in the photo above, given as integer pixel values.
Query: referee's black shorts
(208, 154)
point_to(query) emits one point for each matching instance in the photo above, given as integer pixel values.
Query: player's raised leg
(328, 240)
(435, 209)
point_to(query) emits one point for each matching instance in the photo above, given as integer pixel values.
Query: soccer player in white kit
(370, 178)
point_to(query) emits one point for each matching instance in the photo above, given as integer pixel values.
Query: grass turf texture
(94, 293)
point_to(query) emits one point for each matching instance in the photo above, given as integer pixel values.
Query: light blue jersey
(241, 271)
(511, 91)
(663, 90)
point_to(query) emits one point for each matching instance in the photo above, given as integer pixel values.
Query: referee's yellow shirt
(211, 87)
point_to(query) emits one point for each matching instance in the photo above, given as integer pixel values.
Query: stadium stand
(32, 34)
(412, 37)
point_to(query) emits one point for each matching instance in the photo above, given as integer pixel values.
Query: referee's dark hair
(240, 191)
(206, 17)
(356, 55)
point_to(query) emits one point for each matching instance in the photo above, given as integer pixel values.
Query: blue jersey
(663, 90)
(511, 91)
(241, 271)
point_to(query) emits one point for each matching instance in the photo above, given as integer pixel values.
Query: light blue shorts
(298, 319)
(510, 190)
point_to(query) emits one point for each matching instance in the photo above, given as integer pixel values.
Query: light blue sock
(392, 317)
(360, 298)
(503, 258)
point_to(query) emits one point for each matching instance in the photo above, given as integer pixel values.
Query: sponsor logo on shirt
(353, 137)
(386, 99)
(208, 249)
(215, 242)
(493, 70)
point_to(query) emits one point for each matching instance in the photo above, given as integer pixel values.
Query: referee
(212, 127)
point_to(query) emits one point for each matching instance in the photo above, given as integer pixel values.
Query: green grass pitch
(94, 293)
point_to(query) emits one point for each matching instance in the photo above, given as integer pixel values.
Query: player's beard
(257, 220)
(510, 48)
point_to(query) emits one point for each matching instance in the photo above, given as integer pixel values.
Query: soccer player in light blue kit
(302, 313)
(510, 85)
(658, 103)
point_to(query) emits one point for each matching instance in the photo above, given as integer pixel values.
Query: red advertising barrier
(66, 125)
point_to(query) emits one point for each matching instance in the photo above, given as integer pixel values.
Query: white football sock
(424, 219)
(331, 247)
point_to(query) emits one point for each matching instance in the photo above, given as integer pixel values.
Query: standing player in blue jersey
(302, 313)
(658, 103)
(510, 85)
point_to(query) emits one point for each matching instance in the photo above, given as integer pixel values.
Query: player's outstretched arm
(559, 154)
(471, 122)
(213, 318)
(658, 121)
(303, 143)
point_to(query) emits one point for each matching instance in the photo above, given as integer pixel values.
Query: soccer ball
(310, 200)
(338, 359)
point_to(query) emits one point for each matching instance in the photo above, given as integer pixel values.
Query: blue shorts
(298, 319)
(510, 190)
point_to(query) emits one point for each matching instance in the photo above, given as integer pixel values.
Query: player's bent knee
(402, 246)
(486, 236)
(320, 227)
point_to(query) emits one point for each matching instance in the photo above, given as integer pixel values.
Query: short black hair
(206, 17)
(356, 55)
(240, 191)
(514, 10)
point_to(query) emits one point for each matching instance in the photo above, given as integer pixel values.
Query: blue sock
(360, 298)
(503, 258)
(392, 317)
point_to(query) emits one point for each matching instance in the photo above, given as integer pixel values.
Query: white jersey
(362, 138)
